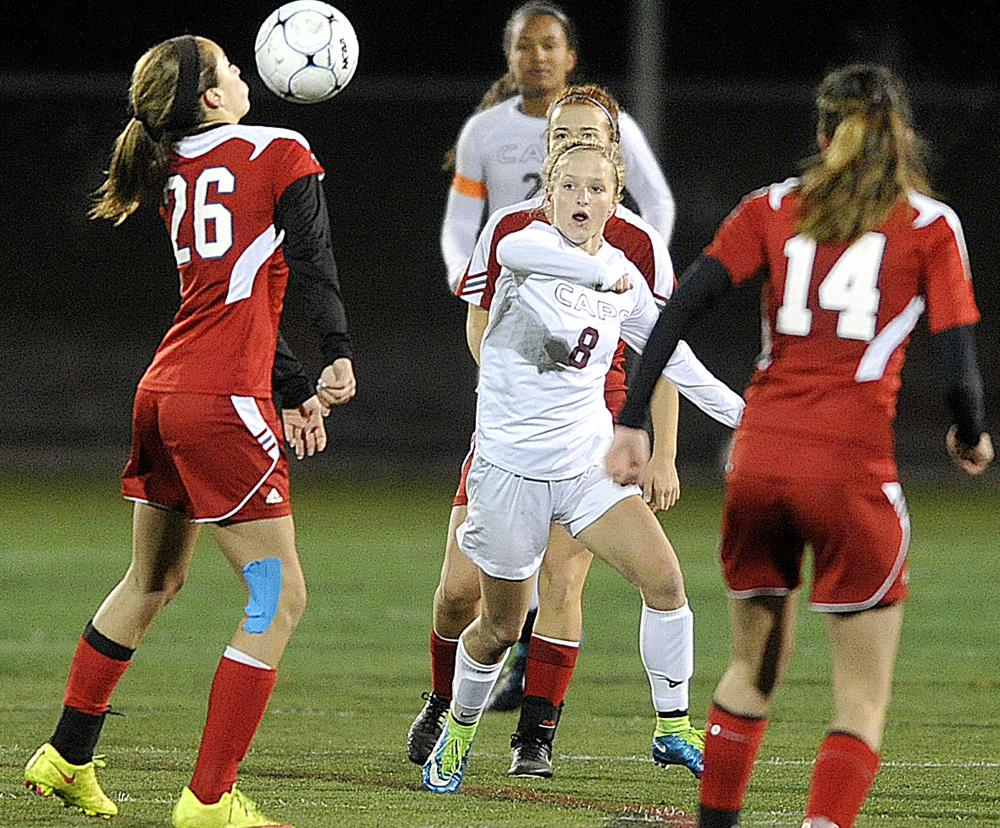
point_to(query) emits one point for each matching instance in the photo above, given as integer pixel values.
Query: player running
(545, 328)
(854, 253)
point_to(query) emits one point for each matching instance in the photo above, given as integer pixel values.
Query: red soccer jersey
(220, 200)
(837, 319)
(624, 230)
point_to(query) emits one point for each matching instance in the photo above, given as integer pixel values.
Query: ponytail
(872, 158)
(167, 84)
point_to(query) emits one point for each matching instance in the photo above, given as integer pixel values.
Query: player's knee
(457, 598)
(273, 598)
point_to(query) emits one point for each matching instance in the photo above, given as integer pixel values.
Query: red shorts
(212, 457)
(859, 534)
(461, 495)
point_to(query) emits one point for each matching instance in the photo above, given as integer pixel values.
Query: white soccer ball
(306, 51)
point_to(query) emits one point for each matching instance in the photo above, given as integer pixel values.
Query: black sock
(76, 735)
(539, 719)
(714, 818)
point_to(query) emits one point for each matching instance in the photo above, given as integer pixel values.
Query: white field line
(154, 750)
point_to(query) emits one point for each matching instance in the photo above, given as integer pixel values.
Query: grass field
(331, 751)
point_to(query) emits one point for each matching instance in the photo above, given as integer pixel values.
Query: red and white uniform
(813, 460)
(206, 435)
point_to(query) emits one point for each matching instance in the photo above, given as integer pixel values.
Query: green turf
(330, 751)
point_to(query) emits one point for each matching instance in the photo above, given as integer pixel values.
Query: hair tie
(580, 96)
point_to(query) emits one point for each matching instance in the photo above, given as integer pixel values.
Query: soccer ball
(306, 51)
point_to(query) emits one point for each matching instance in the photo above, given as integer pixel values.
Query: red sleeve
(290, 161)
(739, 243)
(950, 299)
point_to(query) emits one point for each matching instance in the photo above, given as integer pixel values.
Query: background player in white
(552, 646)
(243, 207)
(555, 313)
(498, 157)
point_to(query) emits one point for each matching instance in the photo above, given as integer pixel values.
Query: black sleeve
(961, 381)
(302, 214)
(289, 382)
(700, 287)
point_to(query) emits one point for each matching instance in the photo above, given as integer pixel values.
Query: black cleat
(427, 727)
(508, 693)
(530, 757)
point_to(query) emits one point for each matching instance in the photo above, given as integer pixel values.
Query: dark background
(86, 304)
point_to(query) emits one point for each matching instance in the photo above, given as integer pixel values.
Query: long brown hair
(872, 159)
(504, 87)
(165, 94)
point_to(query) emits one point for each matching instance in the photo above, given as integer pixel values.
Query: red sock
(443, 663)
(731, 744)
(92, 678)
(235, 707)
(549, 668)
(844, 770)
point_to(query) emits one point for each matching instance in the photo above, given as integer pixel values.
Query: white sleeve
(644, 179)
(541, 250)
(459, 230)
(464, 210)
(684, 370)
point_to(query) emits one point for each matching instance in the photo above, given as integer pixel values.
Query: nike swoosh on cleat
(435, 778)
(69, 780)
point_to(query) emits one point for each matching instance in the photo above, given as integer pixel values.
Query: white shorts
(507, 527)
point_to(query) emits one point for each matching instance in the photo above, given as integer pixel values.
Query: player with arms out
(545, 330)
(853, 253)
(243, 207)
(497, 161)
(543, 672)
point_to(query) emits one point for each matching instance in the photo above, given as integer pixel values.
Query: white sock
(472, 685)
(666, 644)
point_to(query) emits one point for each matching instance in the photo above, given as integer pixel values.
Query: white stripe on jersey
(194, 146)
(250, 261)
(876, 356)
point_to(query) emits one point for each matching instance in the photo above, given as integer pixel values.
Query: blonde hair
(560, 153)
(504, 87)
(140, 160)
(872, 160)
(587, 95)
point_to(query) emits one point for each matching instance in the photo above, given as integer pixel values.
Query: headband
(580, 96)
(185, 109)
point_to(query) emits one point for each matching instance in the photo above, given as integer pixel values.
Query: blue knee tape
(264, 582)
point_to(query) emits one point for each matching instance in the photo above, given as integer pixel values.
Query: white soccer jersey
(548, 345)
(498, 162)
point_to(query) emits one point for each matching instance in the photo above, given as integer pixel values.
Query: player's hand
(661, 485)
(970, 459)
(628, 455)
(336, 384)
(304, 428)
(621, 285)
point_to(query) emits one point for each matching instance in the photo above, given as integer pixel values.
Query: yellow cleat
(234, 810)
(48, 774)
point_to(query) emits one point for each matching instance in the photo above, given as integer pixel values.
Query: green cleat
(48, 774)
(677, 742)
(234, 810)
(445, 766)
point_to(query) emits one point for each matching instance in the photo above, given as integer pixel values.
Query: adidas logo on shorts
(273, 497)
